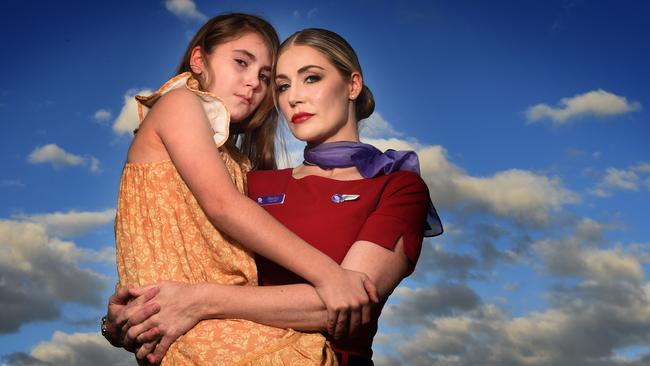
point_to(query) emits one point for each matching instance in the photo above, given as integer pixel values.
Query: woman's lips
(300, 117)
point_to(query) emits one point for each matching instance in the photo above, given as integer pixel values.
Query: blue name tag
(274, 199)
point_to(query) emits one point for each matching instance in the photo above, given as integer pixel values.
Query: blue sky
(530, 117)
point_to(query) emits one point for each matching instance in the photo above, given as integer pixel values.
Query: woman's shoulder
(404, 182)
(268, 175)
(404, 177)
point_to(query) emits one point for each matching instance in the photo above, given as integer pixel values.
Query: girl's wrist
(323, 278)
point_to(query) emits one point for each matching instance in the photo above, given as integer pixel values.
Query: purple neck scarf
(370, 162)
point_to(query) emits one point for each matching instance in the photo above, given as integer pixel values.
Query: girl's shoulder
(180, 102)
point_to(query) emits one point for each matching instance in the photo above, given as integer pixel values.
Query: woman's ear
(196, 60)
(355, 85)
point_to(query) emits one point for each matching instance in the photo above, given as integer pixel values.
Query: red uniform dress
(388, 207)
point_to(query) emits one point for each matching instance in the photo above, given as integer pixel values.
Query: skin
(330, 98)
(238, 72)
(176, 128)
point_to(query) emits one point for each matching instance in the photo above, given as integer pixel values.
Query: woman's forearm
(290, 306)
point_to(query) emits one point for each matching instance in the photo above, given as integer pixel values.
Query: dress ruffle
(214, 107)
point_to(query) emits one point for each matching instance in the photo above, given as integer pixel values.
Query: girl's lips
(244, 99)
(300, 117)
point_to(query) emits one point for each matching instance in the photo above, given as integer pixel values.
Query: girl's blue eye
(241, 62)
(265, 78)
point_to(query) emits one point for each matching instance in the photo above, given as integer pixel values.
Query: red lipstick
(300, 117)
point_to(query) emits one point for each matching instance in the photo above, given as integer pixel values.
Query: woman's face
(239, 74)
(314, 97)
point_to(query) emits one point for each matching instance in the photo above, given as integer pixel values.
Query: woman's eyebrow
(301, 70)
(304, 69)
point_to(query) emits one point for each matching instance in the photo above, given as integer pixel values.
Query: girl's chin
(235, 118)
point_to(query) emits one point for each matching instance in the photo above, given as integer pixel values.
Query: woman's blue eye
(241, 62)
(265, 78)
(312, 78)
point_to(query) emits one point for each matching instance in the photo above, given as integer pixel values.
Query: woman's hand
(123, 306)
(178, 304)
(347, 295)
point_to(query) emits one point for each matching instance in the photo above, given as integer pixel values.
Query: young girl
(182, 215)
(364, 208)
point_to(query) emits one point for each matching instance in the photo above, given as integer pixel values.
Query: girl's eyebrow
(247, 53)
(253, 58)
(301, 70)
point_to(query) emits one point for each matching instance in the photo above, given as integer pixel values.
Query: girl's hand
(179, 304)
(347, 295)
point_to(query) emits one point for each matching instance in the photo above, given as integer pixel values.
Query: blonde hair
(339, 52)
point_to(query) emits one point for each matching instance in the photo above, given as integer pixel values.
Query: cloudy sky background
(530, 118)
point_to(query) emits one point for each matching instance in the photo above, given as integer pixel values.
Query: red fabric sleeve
(401, 212)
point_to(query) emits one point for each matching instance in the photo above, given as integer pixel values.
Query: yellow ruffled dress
(162, 234)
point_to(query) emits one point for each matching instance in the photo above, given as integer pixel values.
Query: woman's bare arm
(291, 306)
(298, 306)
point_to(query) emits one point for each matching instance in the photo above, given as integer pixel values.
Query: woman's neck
(349, 173)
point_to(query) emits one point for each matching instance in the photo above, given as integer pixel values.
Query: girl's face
(315, 99)
(238, 73)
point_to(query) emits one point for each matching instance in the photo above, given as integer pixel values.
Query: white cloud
(578, 256)
(622, 179)
(642, 168)
(59, 158)
(575, 333)
(102, 115)
(55, 155)
(44, 272)
(128, 119)
(641, 251)
(95, 165)
(419, 305)
(185, 9)
(376, 126)
(74, 349)
(520, 195)
(597, 103)
(72, 223)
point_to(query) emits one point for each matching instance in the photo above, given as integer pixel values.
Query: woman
(181, 214)
(347, 199)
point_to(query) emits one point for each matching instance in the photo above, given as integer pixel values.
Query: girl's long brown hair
(255, 137)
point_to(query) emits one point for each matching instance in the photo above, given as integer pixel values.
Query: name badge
(274, 199)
